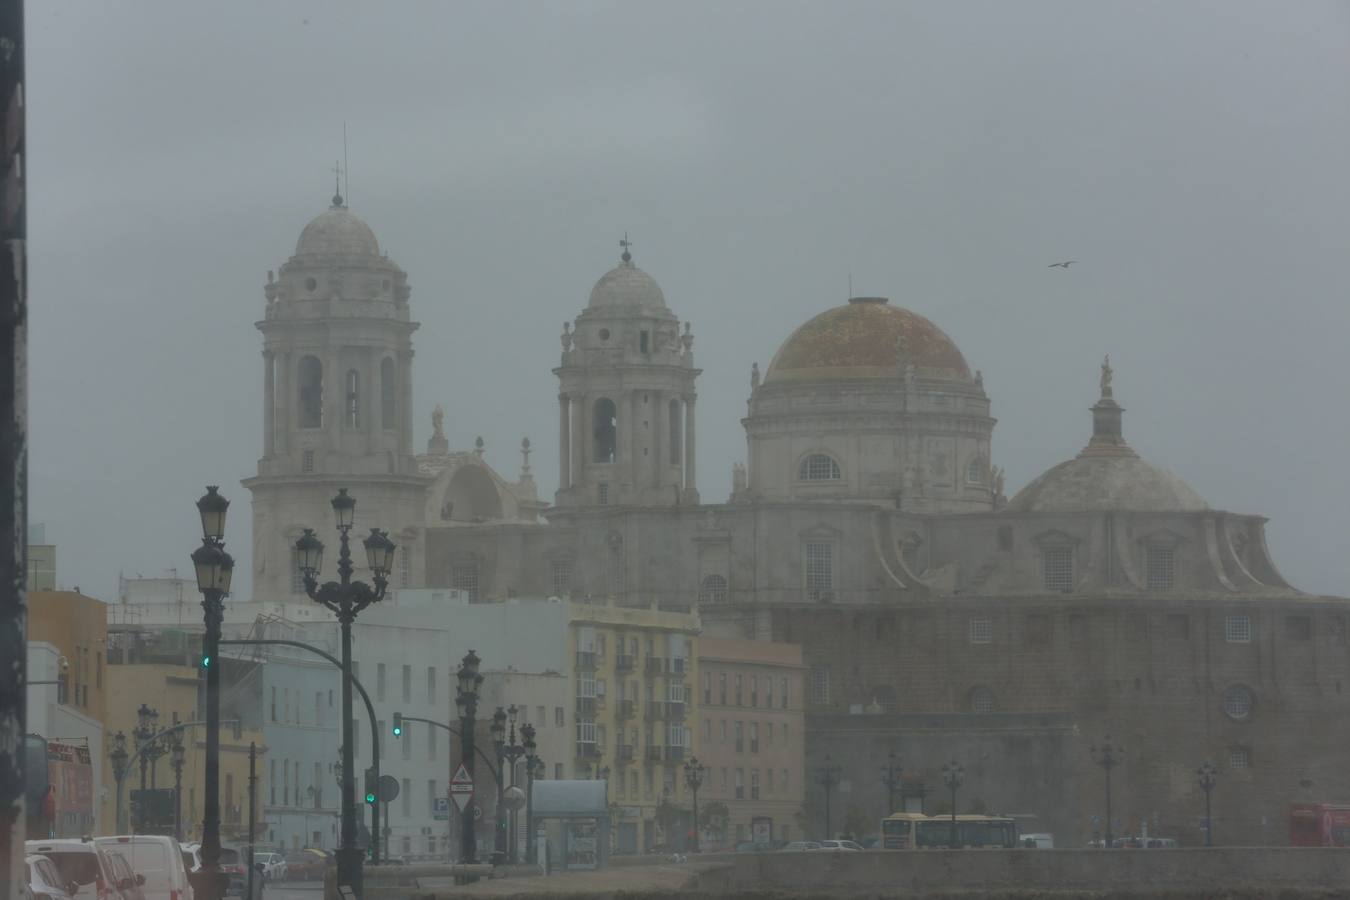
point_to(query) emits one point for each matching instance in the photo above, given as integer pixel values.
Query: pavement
(626, 881)
(293, 890)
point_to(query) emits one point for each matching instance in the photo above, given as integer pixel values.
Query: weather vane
(337, 184)
(625, 244)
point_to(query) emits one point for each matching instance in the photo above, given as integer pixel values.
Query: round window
(1237, 702)
(604, 334)
(981, 700)
(310, 284)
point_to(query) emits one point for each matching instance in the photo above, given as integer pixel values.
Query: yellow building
(160, 670)
(634, 672)
(78, 627)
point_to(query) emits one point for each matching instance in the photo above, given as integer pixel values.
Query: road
(294, 890)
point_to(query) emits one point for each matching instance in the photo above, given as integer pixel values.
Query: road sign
(388, 788)
(440, 808)
(461, 788)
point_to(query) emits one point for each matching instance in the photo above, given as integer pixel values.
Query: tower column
(634, 430)
(690, 479)
(564, 443)
(580, 427)
(269, 402)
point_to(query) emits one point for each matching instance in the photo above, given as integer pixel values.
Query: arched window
(713, 590)
(676, 432)
(388, 394)
(311, 392)
(606, 430)
(353, 398)
(819, 467)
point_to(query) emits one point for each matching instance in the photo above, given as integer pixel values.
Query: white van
(81, 864)
(156, 857)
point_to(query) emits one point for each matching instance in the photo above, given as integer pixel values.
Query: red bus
(1319, 825)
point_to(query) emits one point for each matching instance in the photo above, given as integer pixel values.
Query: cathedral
(1105, 604)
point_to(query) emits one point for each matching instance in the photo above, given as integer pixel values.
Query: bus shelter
(571, 822)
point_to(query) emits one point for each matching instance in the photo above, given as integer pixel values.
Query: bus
(1319, 825)
(913, 831)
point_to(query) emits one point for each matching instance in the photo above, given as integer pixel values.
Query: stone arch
(471, 496)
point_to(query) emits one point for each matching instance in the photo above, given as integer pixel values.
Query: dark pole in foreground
(693, 778)
(345, 599)
(118, 757)
(1209, 775)
(890, 777)
(829, 777)
(176, 760)
(466, 698)
(214, 568)
(527, 740)
(1108, 757)
(953, 775)
(252, 813)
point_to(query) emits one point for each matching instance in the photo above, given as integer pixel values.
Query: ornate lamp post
(828, 776)
(508, 750)
(1108, 757)
(693, 779)
(141, 735)
(466, 699)
(118, 757)
(345, 599)
(890, 778)
(953, 775)
(214, 567)
(1209, 775)
(176, 759)
(531, 761)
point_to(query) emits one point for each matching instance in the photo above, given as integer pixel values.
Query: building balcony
(674, 754)
(624, 662)
(654, 754)
(655, 666)
(587, 750)
(625, 710)
(624, 752)
(585, 660)
(586, 705)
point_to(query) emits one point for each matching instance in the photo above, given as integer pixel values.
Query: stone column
(690, 478)
(659, 438)
(269, 402)
(634, 467)
(580, 445)
(564, 443)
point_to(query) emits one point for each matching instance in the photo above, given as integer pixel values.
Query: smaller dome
(337, 231)
(1107, 484)
(626, 285)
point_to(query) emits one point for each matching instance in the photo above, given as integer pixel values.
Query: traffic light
(398, 724)
(370, 786)
(206, 662)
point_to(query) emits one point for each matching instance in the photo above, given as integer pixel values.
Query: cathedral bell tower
(337, 395)
(626, 398)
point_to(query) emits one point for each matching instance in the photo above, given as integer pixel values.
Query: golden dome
(867, 338)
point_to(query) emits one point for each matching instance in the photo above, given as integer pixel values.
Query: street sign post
(461, 788)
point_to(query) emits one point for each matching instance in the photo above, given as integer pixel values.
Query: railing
(585, 659)
(624, 662)
(587, 750)
(625, 751)
(625, 710)
(585, 704)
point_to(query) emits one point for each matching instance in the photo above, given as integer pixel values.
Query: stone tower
(337, 398)
(626, 398)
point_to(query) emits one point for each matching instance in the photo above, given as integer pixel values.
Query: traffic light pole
(370, 710)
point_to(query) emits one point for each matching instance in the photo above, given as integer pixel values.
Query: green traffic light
(206, 662)
(370, 798)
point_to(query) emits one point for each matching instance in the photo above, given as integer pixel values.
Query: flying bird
(1063, 265)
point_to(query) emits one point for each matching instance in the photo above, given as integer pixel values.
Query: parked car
(849, 846)
(128, 882)
(306, 865)
(803, 845)
(157, 859)
(44, 880)
(233, 862)
(81, 864)
(1037, 841)
(273, 865)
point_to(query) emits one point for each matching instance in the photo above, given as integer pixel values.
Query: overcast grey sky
(1190, 155)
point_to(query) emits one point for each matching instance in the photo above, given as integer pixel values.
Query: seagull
(1063, 265)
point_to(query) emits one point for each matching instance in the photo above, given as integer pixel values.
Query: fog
(1190, 158)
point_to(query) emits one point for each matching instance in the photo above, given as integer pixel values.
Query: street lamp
(828, 776)
(142, 735)
(531, 760)
(953, 775)
(693, 779)
(345, 599)
(890, 777)
(504, 742)
(118, 757)
(466, 699)
(1108, 757)
(214, 568)
(1209, 775)
(176, 759)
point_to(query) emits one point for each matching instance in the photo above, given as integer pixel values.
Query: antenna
(850, 287)
(346, 170)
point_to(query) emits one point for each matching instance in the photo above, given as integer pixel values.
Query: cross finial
(337, 184)
(625, 244)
